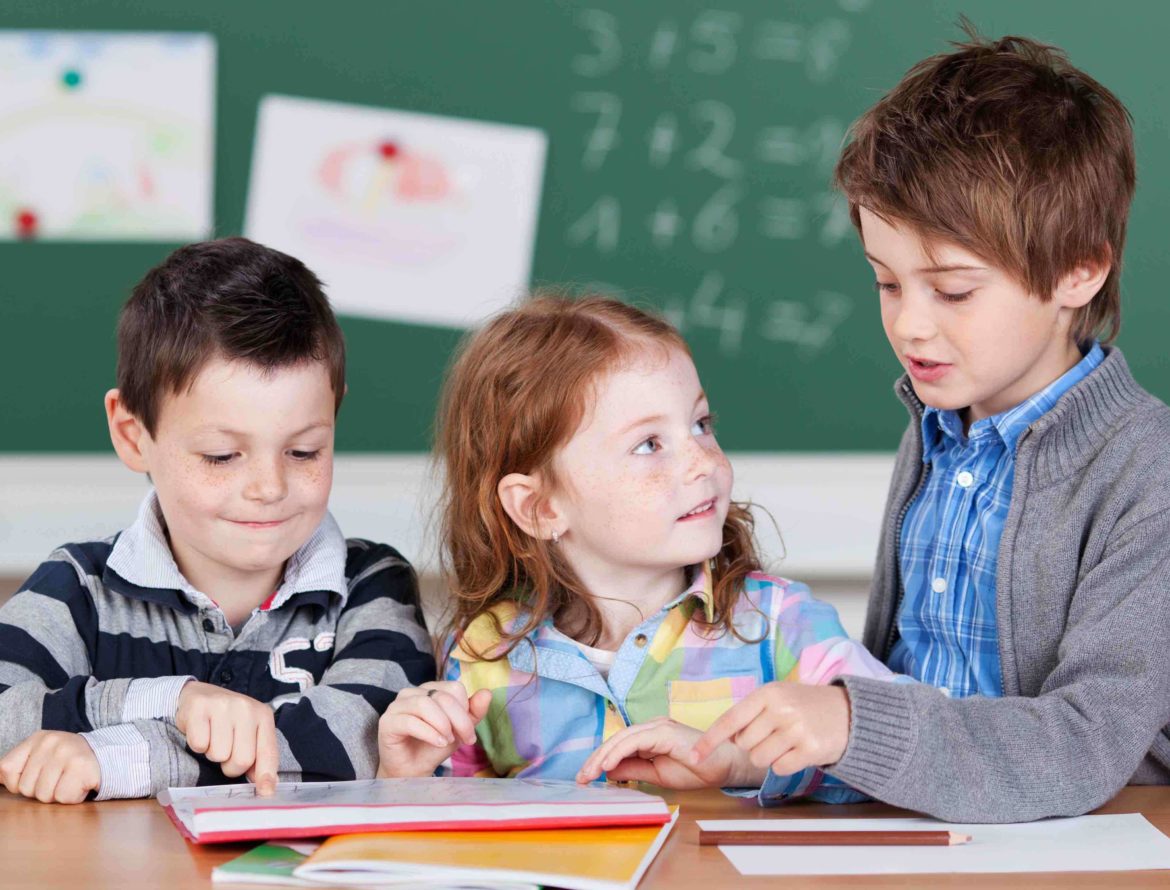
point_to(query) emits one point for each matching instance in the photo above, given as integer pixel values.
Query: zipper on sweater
(893, 631)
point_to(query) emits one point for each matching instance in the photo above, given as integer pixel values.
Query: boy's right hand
(52, 766)
(425, 724)
(658, 752)
(231, 729)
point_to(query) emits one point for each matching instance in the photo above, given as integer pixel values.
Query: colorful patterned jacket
(551, 708)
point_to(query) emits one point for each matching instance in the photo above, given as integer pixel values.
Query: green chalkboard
(690, 146)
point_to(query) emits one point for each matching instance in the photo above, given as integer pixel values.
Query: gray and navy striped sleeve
(48, 632)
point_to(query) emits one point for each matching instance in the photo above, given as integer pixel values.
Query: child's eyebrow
(958, 267)
(656, 418)
(645, 421)
(313, 426)
(934, 270)
(242, 435)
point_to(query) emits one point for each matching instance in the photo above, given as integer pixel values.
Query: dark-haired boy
(1024, 563)
(231, 630)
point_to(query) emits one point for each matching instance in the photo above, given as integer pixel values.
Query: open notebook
(575, 859)
(314, 809)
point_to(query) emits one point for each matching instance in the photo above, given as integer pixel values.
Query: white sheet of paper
(1086, 843)
(404, 216)
(106, 135)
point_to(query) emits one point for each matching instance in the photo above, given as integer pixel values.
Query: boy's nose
(912, 320)
(267, 482)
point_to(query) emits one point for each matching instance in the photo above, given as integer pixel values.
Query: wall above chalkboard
(690, 149)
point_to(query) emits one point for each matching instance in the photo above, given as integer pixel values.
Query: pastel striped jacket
(551, 708)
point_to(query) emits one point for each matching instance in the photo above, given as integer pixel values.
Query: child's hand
(231, 729)
(425, 724)
(658, 752)
(53, 767)
(784, 726)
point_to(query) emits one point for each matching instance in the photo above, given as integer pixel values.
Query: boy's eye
(704, 426)
(648, 446)
(304, 455)
(954, 298)
(217, 460)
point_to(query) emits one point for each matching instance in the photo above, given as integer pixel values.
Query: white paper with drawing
(1086, 843)
(405, 216)
(106, 136)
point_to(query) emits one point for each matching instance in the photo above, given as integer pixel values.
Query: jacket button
(640, 640)
(226, 676)
(208, 625)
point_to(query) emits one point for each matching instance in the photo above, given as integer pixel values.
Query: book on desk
(221, 813)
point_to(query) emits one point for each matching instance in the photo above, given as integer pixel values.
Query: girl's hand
(785, 726)
(658, 752)
(425, 724)
(51, 766)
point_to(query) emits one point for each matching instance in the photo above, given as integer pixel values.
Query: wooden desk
(124, 844)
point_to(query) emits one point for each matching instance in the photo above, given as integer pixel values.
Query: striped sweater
(103, 636)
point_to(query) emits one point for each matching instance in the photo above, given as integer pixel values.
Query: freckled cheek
(315, 480)
(647, 491)
(725, 473)
(192, 485)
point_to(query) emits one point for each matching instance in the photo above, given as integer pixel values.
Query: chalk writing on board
(600, 225)
(807, 326)
(718, 121)
(605, 49)
(708, 187)
(603, 137)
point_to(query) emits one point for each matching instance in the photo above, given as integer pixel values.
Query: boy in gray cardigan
(1024, 565)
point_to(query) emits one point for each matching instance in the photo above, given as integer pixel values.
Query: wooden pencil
(784, 838)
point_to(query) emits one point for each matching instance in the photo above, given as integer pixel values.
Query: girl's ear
(520, 496)
(126, 432)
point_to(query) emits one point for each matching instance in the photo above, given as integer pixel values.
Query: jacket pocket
(699, 703)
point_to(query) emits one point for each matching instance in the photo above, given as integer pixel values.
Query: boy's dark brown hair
(232, 299)
(1005, 149)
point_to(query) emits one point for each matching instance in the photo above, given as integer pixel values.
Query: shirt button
(939, 585)
(208, 625)
(965, 479)
(640, 640)
(945, 691)
(226, 676)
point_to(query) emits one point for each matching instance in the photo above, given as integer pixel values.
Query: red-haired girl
(608, 598)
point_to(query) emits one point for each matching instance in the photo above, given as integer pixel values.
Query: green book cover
(266, 864)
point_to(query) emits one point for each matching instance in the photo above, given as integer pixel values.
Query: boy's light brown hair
(1005, 149)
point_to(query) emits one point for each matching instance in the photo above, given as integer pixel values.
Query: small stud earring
(556, 536)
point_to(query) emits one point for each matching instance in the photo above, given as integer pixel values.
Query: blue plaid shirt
(950, 543)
